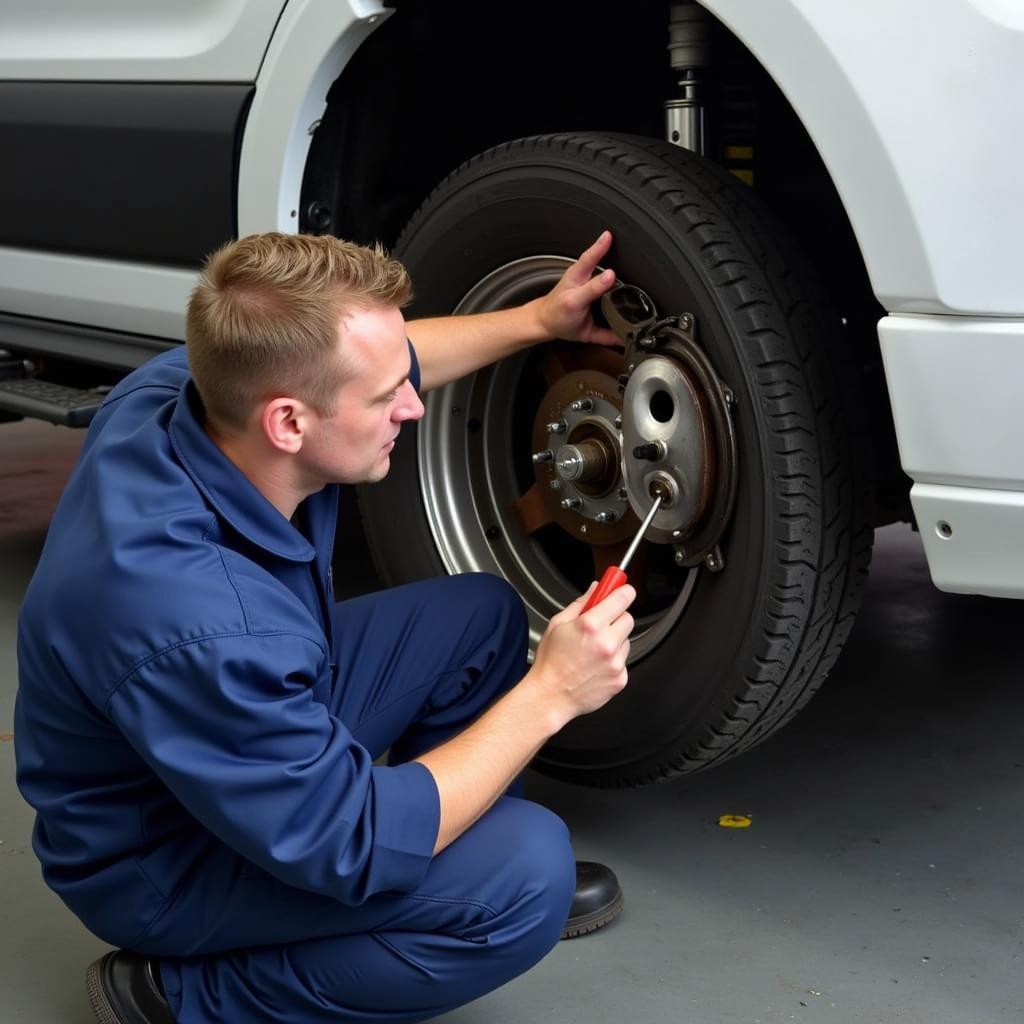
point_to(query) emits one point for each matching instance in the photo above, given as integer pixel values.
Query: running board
(39, 399)
(26, 341)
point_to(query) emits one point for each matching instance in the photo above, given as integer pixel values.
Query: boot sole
(597, 919)
(97, 993)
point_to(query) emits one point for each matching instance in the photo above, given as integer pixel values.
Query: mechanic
(198, 724)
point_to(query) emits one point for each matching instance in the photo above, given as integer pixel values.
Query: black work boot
(124, 988)
(598, 899)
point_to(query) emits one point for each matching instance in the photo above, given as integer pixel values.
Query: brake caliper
(678, 438)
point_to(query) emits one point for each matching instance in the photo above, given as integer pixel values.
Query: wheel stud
(571, 504)
(545, 456)
(607, 516)
(618, 422)
(582, 405)
(558, 427)
(652, 452)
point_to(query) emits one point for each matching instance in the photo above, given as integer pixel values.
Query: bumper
(957, 391)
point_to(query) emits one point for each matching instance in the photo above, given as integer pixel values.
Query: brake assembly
(678, 439)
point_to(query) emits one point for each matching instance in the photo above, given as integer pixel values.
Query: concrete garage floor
(882, 878)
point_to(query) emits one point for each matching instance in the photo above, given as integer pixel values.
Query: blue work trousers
(417, 664)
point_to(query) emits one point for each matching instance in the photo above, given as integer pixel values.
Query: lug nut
(558, 427)
(582, 405)
(607, 516)
(652, 452)
(545, 456)
(571, 504)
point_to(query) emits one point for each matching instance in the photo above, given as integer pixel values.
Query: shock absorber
(689, 48)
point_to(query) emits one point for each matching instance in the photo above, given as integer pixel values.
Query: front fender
(913, 108)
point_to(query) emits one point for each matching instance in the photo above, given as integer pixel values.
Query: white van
(815, 207)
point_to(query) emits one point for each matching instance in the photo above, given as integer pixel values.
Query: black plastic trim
(135, 171)
(107, 349)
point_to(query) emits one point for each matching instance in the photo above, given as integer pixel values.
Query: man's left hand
(565, 312)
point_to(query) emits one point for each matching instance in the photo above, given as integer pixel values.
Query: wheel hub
(590, 464)
(578, 454)
(552, 524)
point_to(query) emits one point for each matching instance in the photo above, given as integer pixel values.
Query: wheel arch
(313, 42)
(364, 182)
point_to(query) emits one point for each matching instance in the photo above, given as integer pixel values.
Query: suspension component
(689, 50)
(678, 438)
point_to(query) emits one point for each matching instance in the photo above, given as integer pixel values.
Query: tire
(720, 660)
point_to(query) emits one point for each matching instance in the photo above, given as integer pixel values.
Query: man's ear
(284, 422)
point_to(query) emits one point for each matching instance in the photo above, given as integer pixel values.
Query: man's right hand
(581, 659)
(580, 665)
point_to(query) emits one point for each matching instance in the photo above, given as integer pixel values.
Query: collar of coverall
(235, 499)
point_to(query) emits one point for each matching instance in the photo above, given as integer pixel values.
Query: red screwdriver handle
(612, 579)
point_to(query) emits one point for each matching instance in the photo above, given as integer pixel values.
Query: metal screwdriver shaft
(615, 575)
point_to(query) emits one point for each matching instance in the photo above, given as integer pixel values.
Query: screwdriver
(615, 575)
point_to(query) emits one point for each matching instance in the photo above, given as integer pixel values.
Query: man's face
(373, 401)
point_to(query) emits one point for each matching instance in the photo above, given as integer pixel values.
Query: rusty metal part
(662, 429)
(589, 429)
(629, 311)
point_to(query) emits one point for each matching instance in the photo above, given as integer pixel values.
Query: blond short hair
(263, 319)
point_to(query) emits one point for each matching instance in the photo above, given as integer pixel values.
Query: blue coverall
(197, 723)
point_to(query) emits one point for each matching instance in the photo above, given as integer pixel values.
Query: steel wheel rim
(467, 497)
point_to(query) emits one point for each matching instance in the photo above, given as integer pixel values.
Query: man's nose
(411, 408)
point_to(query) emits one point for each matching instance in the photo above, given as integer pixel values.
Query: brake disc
(678, 437)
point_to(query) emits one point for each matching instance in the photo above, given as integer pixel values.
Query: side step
(29, 396)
